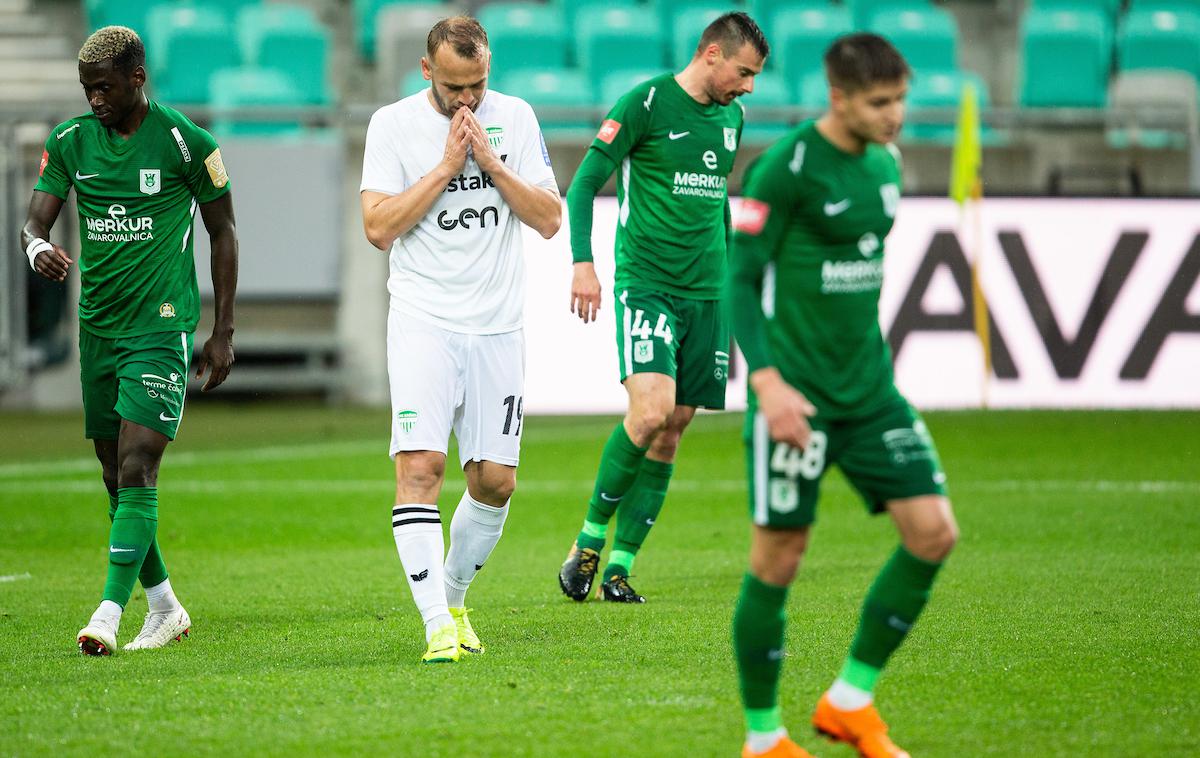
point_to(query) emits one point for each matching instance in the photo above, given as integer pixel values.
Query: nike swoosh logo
(165, 417)
(122, 550)
(649, 522)
(673, 135)
(67, 131)
(80, 177)
(604, 496)
(833, 209)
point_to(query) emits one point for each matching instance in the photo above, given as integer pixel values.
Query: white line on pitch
(15, 577)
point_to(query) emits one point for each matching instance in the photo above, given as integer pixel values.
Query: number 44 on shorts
(641, 327)
(788, 464)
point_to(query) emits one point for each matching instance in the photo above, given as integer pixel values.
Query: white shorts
(469, 383)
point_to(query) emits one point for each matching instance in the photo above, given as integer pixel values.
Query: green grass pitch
(1065, 624)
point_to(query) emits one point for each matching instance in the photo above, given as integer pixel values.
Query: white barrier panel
(1094, 303)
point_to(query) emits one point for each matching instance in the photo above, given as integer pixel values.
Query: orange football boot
(863, 729)
(785, 748)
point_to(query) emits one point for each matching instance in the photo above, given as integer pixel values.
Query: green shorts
(688, 340)
(141, 379)
(888, 455)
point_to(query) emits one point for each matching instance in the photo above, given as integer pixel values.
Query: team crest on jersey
(495, 136)
(166, 310)
(150, 180)
(407, 420)
(643, 351)
(730, 138)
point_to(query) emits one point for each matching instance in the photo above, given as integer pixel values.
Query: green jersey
(674, 155)
(807, 268)
(137, 198)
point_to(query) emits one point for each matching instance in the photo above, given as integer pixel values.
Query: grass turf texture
(1065, 623)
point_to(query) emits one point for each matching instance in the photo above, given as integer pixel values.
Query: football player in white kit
(449, 175)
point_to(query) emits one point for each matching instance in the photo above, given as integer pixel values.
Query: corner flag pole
(966, 188)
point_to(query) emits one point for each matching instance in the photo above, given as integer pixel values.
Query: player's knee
(420, 472)
(665, 445)
(137, 468)
(498, 488)
(647, 421)
(935, 544)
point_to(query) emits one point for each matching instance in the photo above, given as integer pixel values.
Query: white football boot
(161, 628)
(99, 637)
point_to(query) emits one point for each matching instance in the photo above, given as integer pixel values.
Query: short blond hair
(118, 44)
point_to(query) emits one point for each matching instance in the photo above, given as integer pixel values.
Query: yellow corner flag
(966, 185)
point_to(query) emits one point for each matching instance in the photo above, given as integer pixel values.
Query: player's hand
(481, 149)
(785, 408)
(53, 264)
(457, 143)
(217, 355)
(585, 292)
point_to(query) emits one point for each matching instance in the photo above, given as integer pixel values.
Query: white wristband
(38, 245)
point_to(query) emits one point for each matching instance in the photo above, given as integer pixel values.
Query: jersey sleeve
(207, 177)
(53, 178)
(626, 124)
(382, 169)
(768, 198)
(533, 160)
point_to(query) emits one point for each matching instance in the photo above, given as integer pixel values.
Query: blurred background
(1086, 243)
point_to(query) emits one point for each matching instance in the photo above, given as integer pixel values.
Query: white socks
(109, 611)
(761, 742)
(161, 598)
(846, 697)
(417, 528)
(474, 531)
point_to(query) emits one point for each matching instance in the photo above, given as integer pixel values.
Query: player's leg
(489, 449)
(641, 506)
(426, 388)
(891, 460)
(783, 488)
(646, 351)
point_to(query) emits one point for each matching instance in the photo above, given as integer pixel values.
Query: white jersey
(461, 268)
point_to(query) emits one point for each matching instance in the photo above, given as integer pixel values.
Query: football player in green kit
(805, 273)
(673, 139)
(139, 170)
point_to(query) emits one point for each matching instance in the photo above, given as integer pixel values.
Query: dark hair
(731, 31)
(857, 61)
(463, 33)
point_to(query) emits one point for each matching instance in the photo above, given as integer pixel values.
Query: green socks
(889, 611)
(758, 623)
(135, 522)
(154, 570)
(619, 465)
(638, 512)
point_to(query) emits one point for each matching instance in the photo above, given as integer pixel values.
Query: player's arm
(756, 239)
(585, 285)
(539, 208)
(46, 258)
(222, 232)
(386, 215)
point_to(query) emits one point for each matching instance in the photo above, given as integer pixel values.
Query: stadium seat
(1066, 57)
(412, 83)
(933, 90)
(670, 10)
(1110, 8)
(249, 86)
(928, 37)
(611, 39)
(562, 98)
(131, 13)
(814, 89)
(864, 10)
(1160, 39)
(187, 44)
(617, 83)
(802, 36)
(366, 20)
(288, 38)
(525, 35)
(685, 30)
(403, 30)
(1134, 93)
(770, 91)
(572, 8)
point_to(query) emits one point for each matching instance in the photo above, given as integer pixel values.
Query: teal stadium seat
(1177, 5)
(669, 10)
(770, 91)
(572, 8)
(562, 98)
(131, 13)
(765, 12)
(617, 83)
(187, 44)
(612, 39)
(687, 26)
(940, 90)
(400, 35)
(1160, 39)
(252, 87)
(802, 36)
(814, 89)
(1110, 8)
(927, 37)
(366, 14)
(1066, 58)
(525, 35)
(864, 10)
(288, 38)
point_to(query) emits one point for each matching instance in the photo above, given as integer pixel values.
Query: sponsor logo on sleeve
(545, 152)
(752, 217)
(608, 131)
(42, 165)
(216, 169)
(183, 148)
